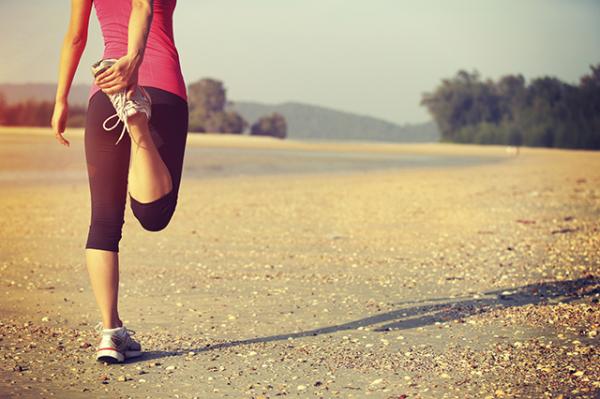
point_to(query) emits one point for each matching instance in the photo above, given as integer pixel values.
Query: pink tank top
(160, 67)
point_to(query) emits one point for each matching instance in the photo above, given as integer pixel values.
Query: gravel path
(467, 281)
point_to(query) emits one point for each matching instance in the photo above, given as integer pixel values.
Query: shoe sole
(102, 65)
(112, 356)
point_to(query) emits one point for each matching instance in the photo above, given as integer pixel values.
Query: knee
(104, 235)
(154, 222)
(156, 215)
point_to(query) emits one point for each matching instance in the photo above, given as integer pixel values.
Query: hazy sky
(372, 57)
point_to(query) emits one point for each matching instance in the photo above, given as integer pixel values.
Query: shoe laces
(108, 129)
(128, 331)
(121, 104)
(100, 328)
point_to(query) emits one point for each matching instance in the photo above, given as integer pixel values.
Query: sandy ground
(429, 280)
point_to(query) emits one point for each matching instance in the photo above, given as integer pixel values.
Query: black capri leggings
(108, 165)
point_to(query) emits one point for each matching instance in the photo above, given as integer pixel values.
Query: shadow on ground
(413, 314)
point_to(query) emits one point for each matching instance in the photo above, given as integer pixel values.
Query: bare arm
(139, 27)
(123, 74)
(73, 46)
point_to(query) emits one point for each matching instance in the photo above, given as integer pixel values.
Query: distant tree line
(35, 113)
(544, 113)
(207, 101)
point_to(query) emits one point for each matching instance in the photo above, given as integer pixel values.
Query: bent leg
(107, 166)
(149, 178)
(170, 120)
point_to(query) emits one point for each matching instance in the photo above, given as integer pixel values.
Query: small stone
(45, 319)
(301, 387)
(170, 368)
(121, 378)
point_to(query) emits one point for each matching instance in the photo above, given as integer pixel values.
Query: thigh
(170, 119)
(107, 163)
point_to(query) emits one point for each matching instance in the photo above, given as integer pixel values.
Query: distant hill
(305, 121)
(320, 123)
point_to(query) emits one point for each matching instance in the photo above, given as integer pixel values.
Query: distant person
(138, 89)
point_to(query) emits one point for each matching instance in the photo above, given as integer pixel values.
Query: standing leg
(107, 166)
(103, 268)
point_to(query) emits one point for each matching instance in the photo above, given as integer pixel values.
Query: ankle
(110, 324)
(138, 119)
(140, 139)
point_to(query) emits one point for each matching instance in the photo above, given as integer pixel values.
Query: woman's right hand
(59, 121)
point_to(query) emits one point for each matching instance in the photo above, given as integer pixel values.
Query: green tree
(273, 125)
(462, 101)
(547, 112)
(225, 122)
(207, 100)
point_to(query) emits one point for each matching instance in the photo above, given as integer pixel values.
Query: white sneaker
(140, 102)
(116, 345)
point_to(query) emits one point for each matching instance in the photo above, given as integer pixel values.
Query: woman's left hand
(123, 74)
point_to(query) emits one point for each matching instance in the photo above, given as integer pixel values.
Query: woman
(140, 81)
